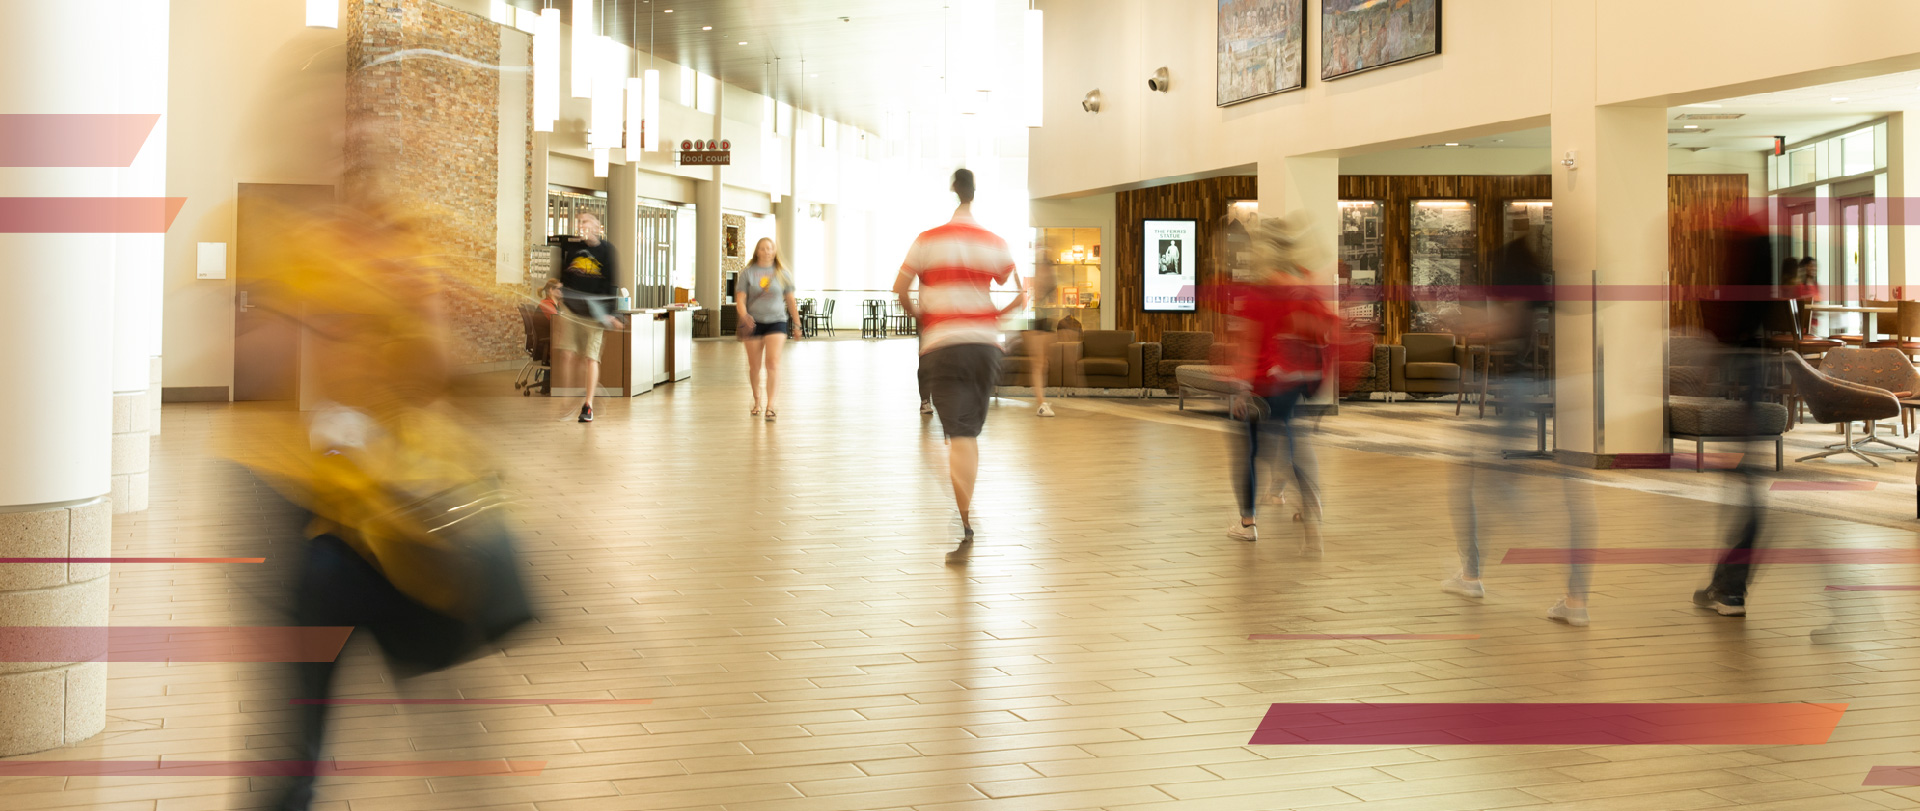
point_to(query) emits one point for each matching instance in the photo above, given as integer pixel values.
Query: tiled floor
(778, 591)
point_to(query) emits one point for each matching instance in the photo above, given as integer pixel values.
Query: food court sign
(706, 153)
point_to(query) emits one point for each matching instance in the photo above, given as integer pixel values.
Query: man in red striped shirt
(955, 265)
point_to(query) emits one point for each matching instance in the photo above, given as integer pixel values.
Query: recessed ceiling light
(1690, 126)
(743, 42)
(1452, 144)
(706, 28)
(813, 75)
(1839, 98)
(669, 11)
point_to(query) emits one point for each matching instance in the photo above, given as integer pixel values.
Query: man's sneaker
(1045, 410)
(1728, 605)
(1576, 617)
(926, 408)
(586, 413)
(1459, 584)
(1243, 532)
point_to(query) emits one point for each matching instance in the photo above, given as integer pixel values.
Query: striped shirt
(956, 263)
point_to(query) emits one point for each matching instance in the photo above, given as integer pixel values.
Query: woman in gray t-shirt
(763, 294)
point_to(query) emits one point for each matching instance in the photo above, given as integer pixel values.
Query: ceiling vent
(1679, 131)
(1710, 116)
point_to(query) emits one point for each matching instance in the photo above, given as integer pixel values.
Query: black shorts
(776, 328)
(960, 379)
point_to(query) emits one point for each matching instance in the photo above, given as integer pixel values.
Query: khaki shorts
(960, 380)
(578, 335)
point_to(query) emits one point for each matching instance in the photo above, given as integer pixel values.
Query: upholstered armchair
(1016, 369)
(1361, 378)
(1107, 359)
(1430, 363)
(1179, 349)
(1886, 369)
(1833, 400)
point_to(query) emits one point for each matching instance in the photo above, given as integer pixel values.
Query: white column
(140, 39)
(1903, 184)
(1610, 230)
(56, 427)
(706, 252)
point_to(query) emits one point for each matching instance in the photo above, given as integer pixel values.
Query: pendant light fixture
(583, 51)
(650, 106)
(546, 69)
(323, 13)
(609, 85)
(600, 160)
(1036, 68)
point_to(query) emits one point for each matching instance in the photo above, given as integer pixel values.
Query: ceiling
(1797, 114)
(861, 57)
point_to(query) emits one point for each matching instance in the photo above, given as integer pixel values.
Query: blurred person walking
(1038, 339)
(954, 265)
(1507, 319)
(769, 315)
(1284, 333)
(588, 292)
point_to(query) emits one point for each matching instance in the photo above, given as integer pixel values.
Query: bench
(1712, 419)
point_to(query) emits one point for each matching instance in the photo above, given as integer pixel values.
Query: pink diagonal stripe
(1892, 776)
(53, 140)
(487, 701)
(170, 644)
(133, 560)
(1873, 588)
(1819, 486)
(88, 215)
(1269, 637)
(1548, 724)
(269, 768)
(1617, 555)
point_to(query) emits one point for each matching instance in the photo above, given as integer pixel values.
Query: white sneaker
(1576, 617)
(926, 408)
(1459, 584)
(1243, 532)
(1045, 410)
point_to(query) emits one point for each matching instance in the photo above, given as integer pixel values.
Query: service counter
(655, 349)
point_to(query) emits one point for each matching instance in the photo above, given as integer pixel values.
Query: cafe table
(1872, 313)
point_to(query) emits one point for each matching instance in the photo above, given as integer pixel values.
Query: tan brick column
(45, 705)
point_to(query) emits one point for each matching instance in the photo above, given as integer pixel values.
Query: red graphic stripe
(1711, 556)
(1892, 776)
(133, 560)
(1873, 588)
(1548, 724)
(1674, 461)
(1272, 637)
(270, 768)
(1822, 486)
(486, 701)
(170, 644)
(88, 215)
(83, 141)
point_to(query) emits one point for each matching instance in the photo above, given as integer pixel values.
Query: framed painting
(1260, 50)
(1360, 35)
(734, 249)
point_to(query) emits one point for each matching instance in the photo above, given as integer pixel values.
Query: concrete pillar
(706, 252)
(622, 209)
(786, 229)
(1903, 184)
(56, 434)
(141, 40)
(537, 187)
(1610, 231)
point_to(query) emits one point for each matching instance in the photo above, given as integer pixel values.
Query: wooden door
(266, 344)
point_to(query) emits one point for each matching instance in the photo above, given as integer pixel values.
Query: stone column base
(44, 705)
(132, 446)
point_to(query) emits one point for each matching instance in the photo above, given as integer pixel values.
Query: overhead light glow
(1452, 144)
(499, 12)
(546, 71)
(650, 118)
(1036, 65)
(323, 13)
(609, 73)
(706, 28)
(583, 49)
(636, 114)
(600, 160)
(1839, 98)
(1689, 126)
(743, 42)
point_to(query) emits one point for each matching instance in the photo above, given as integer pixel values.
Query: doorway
(266, 344)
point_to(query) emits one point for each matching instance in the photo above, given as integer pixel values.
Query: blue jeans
(1514, 429)
(1262, 433)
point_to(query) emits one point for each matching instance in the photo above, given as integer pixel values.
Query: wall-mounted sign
(1168, 273)
(706, 153)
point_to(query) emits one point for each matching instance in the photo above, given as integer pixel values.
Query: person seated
(550, 297)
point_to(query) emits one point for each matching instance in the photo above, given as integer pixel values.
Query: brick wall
(423, 131)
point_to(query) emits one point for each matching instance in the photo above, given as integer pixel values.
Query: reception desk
(655, 349)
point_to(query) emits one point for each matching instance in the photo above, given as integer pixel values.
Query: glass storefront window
(1066, 280)
(1857, 153)
(1801, 167)
(1444, 255)
(1362, 226)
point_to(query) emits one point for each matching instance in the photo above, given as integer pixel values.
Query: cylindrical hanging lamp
(1036, 68)
(323, 13)
(583, 50)
(546, 71)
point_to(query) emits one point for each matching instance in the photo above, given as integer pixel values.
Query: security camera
(1091, 102)
(1158, 82)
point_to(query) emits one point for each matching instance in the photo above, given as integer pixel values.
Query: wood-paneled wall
(1202, 200)
(1397, 193)
(1697, 207)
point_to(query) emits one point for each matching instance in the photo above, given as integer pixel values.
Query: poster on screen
(1169, 276)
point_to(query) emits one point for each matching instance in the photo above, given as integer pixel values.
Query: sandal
(755, 412)
(770, 414)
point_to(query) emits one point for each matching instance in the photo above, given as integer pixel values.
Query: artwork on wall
(1360, 35)
(1443, 256)
(734, 250)
(1243, 216)
(1361, 260)
(1170, 265)
(1260, 50)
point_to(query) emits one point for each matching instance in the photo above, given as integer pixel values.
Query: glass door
(653, 265)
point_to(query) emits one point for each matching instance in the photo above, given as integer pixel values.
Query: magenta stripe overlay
(269, 768)
(57, 140)
(1873, 588)
(1618, 555)
(133, 560)
(1823, 486)
(482, 701)
(1547, 724)
(170, 644)
(1270, 637)
(1892, 776)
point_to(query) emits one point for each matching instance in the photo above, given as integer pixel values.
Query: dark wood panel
(1397, 193)
(1204, 201)
(1698, 206)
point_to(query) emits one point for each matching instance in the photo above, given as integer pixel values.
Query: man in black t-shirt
(586, 279)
